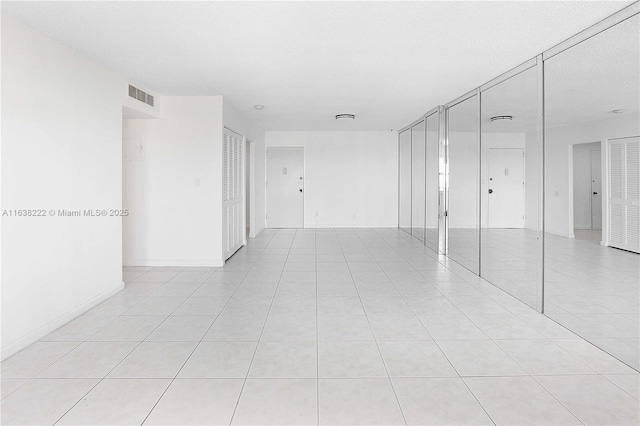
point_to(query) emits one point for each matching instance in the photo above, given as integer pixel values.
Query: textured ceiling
(385, 62)
(582, 84)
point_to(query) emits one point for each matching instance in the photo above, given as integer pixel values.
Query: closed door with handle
(505, 188)
(285, 187)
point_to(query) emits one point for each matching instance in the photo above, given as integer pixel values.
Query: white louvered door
(233, 208)
(624, 193)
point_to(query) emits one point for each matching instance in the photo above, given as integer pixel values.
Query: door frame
(304, 181)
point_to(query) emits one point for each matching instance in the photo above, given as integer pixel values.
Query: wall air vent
(138, 94)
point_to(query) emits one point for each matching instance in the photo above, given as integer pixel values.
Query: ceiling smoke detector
(345, 117)
(617, 111)
(502, 117)
(258, 106)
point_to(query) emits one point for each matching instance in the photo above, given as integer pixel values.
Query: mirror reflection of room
(432, 184)
(463, 151)
(511, 255)
(559, 134)
(592, 206)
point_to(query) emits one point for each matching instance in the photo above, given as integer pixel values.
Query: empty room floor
(349, 326)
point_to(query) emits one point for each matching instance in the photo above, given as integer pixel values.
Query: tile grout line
(439, 348)
(510, 357)
(264, 325)
(194, 349)
(196, 346)
(384, 364)
(117, 364)
(503, 351)
(405, 252)
(129, 353)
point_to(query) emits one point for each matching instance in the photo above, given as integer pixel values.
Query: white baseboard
(313, 226)
(163, 262)
(52, 326)
(561, 234)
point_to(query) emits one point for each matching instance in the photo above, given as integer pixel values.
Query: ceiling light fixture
(617, 111)
(345, 117)
(258, 106)
(502, 117)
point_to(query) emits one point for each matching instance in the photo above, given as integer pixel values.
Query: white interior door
(596, 190)
(285, 187)
(505, 207)
(233, 187)
(624, 193)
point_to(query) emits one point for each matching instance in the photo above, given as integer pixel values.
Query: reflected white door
(506, 188)
(596, 191)
(624, 193)
(285, 187)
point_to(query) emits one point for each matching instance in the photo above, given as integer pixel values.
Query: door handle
(490, 191)
(595, 193)
(301, 190)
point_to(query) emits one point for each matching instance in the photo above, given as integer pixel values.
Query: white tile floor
(316, 327)
(590, 289)
(594, 291)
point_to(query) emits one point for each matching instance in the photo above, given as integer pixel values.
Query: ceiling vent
(138, 94)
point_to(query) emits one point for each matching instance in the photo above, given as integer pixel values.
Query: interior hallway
(348, 326)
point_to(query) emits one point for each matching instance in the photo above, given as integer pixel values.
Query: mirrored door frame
(422, 121)
(445, 153)
(537, 64)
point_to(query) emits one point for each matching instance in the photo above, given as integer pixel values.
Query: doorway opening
(587, 191)
(135, 209)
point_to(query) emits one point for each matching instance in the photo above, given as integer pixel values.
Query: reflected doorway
(506, 188)
(587, 191)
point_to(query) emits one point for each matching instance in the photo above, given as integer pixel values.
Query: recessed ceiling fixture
(345, 117)
(502, 117)
(617, 111)
(258, 106)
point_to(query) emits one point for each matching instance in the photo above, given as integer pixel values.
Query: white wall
(463, 180)
(558, 195)
(351, 178)
(582, 185)
(241, 124)
(405, 193)
(61, 149)
(173, 188)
